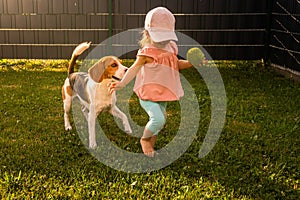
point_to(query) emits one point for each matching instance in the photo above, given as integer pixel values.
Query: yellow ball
(195, 56)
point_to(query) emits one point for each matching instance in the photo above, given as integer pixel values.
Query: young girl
(157, 73)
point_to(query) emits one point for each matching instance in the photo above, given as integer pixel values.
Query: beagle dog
(92, 90)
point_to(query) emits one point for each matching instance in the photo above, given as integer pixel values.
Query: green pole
(268, 30)
(109, 18)
(110, 27)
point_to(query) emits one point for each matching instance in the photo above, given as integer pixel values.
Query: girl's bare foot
(147, 146)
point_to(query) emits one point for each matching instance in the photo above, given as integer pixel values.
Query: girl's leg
(147, 144)
(156, 112)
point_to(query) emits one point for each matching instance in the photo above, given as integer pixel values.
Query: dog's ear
(97, 70)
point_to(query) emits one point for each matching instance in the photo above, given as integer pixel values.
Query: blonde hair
(146, 39)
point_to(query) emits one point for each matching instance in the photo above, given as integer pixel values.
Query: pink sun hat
(160, 23)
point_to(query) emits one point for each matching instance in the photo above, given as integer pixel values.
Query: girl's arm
(184, 64)
(131, 73)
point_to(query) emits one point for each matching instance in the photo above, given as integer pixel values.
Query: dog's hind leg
(115, 111)
(92, 127)
(85, 112)
(67, 100)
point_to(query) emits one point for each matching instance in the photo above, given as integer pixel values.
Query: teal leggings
(156, 112)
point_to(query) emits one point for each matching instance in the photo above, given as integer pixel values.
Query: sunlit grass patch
(33, 65)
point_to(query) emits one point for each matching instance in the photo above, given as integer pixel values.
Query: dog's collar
(116, 78)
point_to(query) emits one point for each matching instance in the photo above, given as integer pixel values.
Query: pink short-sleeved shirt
(159, 80)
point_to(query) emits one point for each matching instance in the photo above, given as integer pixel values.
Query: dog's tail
(76, 53)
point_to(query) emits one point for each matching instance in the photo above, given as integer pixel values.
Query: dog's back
(78, 82)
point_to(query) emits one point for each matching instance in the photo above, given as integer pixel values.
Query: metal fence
(284, 34)
(228, 29)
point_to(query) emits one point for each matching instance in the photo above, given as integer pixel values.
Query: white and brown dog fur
(92, 90)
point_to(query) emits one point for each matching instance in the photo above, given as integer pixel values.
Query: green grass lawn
(256, 157)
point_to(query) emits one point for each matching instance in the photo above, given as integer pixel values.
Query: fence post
(268, 31)
(110, 26)
(109, 18)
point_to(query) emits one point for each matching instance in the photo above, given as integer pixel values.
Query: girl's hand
(201, 64)
(113, 86)
(204, 62)
(130, 74)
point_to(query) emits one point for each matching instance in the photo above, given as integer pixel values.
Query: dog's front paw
(68, 128)
(128, 130)
(93, 145)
